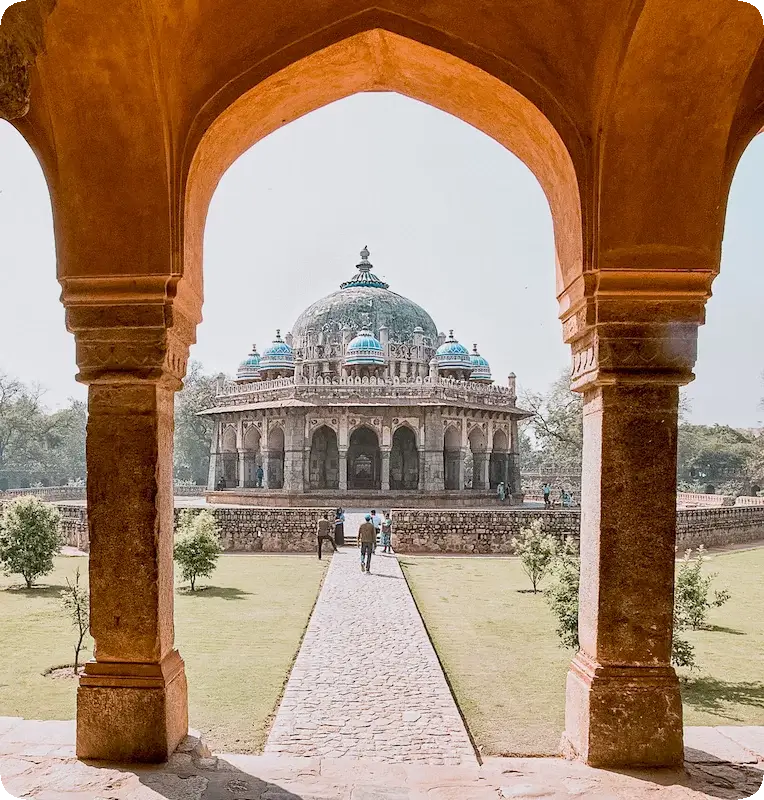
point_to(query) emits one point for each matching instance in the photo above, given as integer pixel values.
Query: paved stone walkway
(37, 761)
(367, 682)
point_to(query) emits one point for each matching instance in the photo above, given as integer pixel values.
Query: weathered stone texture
(472, 531)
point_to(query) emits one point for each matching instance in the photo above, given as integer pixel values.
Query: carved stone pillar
(132, 699)
(385, 476)
(462, 471)
(343, 468)
(623, 706)
(241, 468)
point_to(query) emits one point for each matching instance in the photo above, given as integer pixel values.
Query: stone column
(132, 699)
(485, 470)
(241, 468)
(294, 439)
(431, 472)
(385, 477)
(212, 471)
(623, 706)
(462, 457)
(343, 468)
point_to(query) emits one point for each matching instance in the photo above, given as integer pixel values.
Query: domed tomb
(364, 302)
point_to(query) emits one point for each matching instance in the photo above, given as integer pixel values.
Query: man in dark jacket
(367, 539)
(324, 532)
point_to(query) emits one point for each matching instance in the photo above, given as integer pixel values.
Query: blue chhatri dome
(277, 355)
(481, 370)
(249, 369)
(453, 355)
(365, 349)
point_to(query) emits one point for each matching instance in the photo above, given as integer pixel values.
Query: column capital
(129, 329)
(628, 324)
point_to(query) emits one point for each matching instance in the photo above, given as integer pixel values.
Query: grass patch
(238, 636)
(498, 646)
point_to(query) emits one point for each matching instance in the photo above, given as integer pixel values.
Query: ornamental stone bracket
(14, 81)
(128, 329)
(637, 326)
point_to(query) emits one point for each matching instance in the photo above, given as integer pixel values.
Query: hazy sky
(453, 221)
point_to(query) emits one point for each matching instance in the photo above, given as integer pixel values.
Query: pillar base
(128, 712)
(623, 716)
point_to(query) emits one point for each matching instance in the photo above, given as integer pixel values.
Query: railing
(690, 499)
(351, 388)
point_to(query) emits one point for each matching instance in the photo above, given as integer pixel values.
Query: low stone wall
(715, 527)
(53, 494)
(267, 530)
(480, 532)
(417, 531)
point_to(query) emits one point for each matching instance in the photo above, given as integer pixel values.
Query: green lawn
(238, 638)
(499, 649)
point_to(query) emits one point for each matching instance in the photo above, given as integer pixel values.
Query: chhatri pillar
(132, 699)
(385, 467)
(623, 706)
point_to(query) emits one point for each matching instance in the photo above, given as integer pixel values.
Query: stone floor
(37, 761)
(367, 682)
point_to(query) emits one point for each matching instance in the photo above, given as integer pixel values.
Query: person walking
(339, 526)
(323, 533)
(387, 533)
(367, 538)
(376, 521)
(546, 490)
(501, 492)
(259, 475)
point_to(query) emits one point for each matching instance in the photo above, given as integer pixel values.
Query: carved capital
(646, 353)
(14, 81)
(128, 329)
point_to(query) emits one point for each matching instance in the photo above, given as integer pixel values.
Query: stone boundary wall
(292, 530)
(267, 530)
(483, 532)
(479, 532)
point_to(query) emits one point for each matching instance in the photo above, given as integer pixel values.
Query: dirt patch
(64, 672)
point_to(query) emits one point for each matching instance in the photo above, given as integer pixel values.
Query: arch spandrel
(378, 60)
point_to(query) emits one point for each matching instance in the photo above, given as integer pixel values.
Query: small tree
(536, 550)
(562, 595)
(29, 538)
(693, 598)
(197, 547)
(76, 602)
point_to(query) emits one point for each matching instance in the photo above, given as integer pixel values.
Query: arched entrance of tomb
(324, 472)
(276, 458)
(498, 470)
(453, 461)
(252, 456)
(404, 460)
(364, 460)
(478, 450)
(229, 457)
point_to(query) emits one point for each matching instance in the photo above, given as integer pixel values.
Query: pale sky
(453, 221)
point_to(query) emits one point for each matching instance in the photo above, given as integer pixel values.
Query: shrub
(536, 550)
(693, 598)
(562, 595)
(197, 547)
(691, 602)
(29, 538)
(76, 603)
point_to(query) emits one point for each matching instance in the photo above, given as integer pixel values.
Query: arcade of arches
(634, 143)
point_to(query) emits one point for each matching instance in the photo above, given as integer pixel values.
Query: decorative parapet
(393, 389)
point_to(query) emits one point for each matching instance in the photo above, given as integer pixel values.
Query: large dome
(365, 303)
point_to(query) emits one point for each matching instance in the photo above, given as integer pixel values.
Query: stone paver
(367, 682)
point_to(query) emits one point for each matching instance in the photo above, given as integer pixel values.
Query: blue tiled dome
(365, 349)
(453, 355)
(481, 369)
(249, 369)
(277, 355)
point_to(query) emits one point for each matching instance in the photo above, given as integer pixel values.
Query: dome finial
(364, 266)
(278, 334)
(474, 348)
